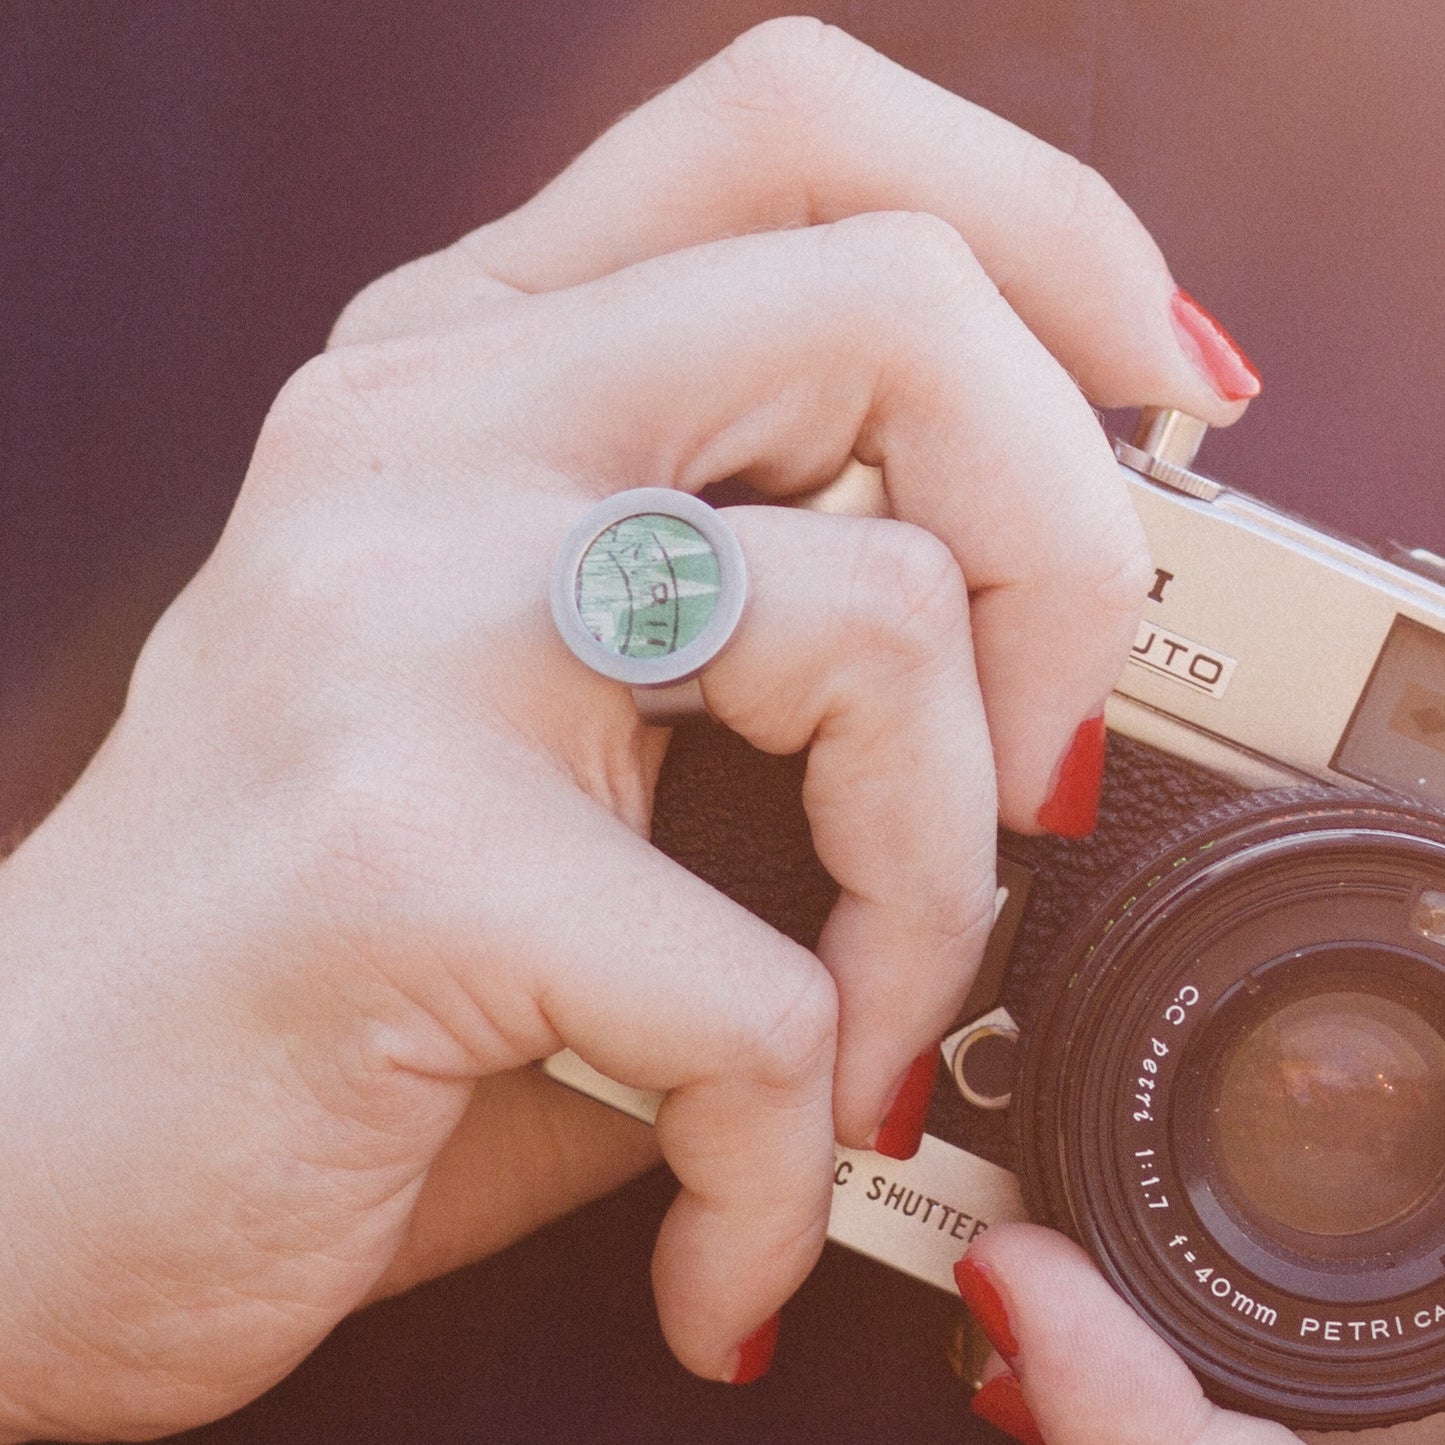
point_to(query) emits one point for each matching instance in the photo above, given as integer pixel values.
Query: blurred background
(190, 190)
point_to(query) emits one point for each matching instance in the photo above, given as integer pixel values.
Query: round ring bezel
(687, 661)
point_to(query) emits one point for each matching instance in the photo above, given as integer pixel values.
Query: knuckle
(1124, 586)
(920, 257)
(906, 593)
(796, 1047)
(791, 68)
(369, 373)
(1080, 206)
(309, 392)
(352, 380)
(1115, 575)
(367, 315)
(913, 281)
(341, 414)
(318, 411)
(450, 289)
(960, 904)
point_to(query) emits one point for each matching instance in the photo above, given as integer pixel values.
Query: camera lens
(1232, 1097)
(1328, 1114)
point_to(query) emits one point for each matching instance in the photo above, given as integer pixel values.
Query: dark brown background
(189, 192)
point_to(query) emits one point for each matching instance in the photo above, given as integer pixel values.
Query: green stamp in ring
(648, 585)
(647, 589)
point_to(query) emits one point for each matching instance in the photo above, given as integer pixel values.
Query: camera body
(1208, 1041)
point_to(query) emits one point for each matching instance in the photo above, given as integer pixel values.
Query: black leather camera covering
(734, 816)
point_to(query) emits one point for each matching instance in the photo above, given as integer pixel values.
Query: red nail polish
(1001, 1403)
(1073, 806)
(755, 1354)
(901, 1131)
(980, 1293)
(1213, 350)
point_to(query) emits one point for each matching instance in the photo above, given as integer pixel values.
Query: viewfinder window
(1396, 738)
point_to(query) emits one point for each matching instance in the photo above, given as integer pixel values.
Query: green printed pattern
(647, 586)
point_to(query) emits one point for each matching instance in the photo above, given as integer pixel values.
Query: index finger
(797, 123)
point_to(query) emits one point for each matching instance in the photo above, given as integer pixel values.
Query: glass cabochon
(647, 586)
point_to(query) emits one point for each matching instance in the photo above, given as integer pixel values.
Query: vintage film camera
(1209, 1042)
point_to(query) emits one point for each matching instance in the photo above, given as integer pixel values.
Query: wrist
(147, 1204)
(100, 1014)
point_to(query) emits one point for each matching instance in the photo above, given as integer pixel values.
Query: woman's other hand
(1074, 1365)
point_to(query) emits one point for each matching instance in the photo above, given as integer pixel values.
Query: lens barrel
(1235, 1099)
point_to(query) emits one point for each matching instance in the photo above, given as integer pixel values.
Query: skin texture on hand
(367, 841)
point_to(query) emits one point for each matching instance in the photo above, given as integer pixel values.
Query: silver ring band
(647, 589)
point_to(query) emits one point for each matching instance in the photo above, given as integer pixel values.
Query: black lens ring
(1113, 977)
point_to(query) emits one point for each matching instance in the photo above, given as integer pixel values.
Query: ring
(648, 589)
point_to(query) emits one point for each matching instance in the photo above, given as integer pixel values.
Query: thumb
(1083, 1368)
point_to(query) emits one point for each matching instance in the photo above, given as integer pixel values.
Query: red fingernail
(1073, 807)
(1001, 1403)
(901, 1131)
(977, 1285)
(1213, 350)
(755, 1354)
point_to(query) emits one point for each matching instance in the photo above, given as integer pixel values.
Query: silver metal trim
(663, 706)
(989, 1027)
(1168, 474)
(1170, 435)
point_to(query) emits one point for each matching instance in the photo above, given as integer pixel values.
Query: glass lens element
(1330, 1114)
(647, 586)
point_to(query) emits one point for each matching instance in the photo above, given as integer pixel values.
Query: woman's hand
(368, 841)
(1074, 1365)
